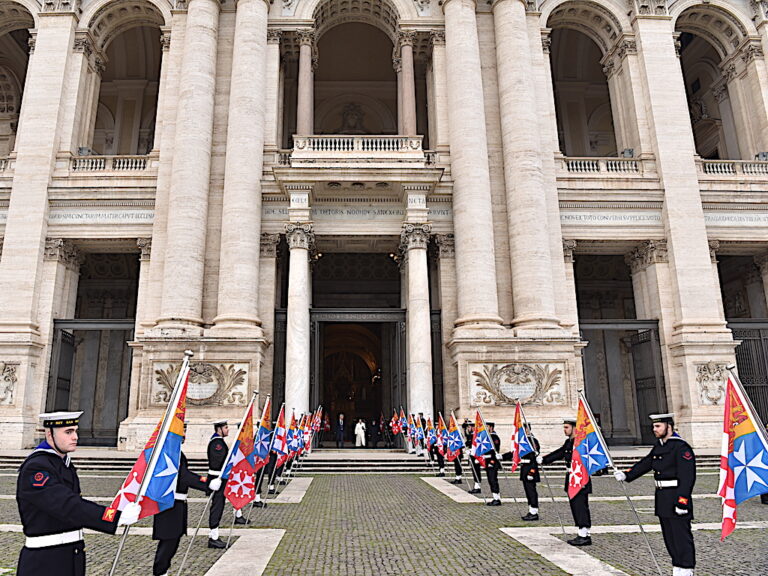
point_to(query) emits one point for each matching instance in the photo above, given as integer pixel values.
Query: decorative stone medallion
(502, 385)
(711, 378)
(8, 379)
(224, 384)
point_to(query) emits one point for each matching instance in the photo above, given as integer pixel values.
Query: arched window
(15, 23)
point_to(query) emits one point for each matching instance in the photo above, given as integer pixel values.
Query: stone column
(241, 210)
(439, 92)
(570, 303)
(477, 296)
(305, 105)
(397, 64)
(267, 303)
(408, 83)
(188, 201)
(414, 239)
(145, 254)
(301, 241)
(447, 288)
(273, 88)
(728, 126)
(533, 291)
(755, 83)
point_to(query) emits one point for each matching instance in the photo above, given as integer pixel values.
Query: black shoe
(218, 543)
(441, 474)
(260, 504)
(530, 517)
(475, 491)
(271, 491)
(493, 503)
(581, 541)
(242, 521)
(456, 481)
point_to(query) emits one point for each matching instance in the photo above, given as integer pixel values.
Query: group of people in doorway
(364, 434)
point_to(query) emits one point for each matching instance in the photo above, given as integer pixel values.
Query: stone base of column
(494, 372)
(177, 328)
(224, 373)
(235, 327)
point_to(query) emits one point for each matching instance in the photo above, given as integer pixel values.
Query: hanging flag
(481, 439)
(264, 435)
(590, 453)
(419, 428)
(744, 457)
(395, 424)
(152, 480)
(293, 439)
(403, 422)
(240, 469)
(520, 444)
(431, 434)
(307, 433)
(441, 437)
(280, 443)
(411, 427)
(455, 442)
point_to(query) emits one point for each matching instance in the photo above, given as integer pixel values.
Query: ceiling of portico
(589, 18)
(357, 244)
(718, 27)
(117, 17)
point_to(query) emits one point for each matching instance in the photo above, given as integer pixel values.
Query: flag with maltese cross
(590, 454)
(240, 470)
(744, 458)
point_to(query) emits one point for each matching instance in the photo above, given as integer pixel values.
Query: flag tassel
(169, 413)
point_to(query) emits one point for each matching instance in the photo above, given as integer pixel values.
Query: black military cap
(491, 424)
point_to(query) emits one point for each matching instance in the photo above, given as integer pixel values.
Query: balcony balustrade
(747, 169)
(349, 149)
(602, 167)
(110, 163)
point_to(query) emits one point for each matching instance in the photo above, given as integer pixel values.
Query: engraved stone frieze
(503, 384)
(219, 384)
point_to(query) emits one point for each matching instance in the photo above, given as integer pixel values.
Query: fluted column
(305, 104)
(414, 239)
(241, 210)
(472, 209)
(531, 259)
(408, 83)
(301, 241)
(188, 200)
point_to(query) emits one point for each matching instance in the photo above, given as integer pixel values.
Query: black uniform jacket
(49, 501)
(564, 453)
(492, 459)
(172, 523)
(528, 466)
(217, 453)
(671, 460)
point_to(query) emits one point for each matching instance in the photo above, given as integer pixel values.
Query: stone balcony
(343, 151)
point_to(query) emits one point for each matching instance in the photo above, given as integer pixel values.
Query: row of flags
(153, 477)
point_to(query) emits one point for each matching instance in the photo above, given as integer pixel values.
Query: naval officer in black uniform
(469, 431)
(217, 456)
(529, 475)
(52, 510)
(674, 472)
(493, 465)
(579, 503)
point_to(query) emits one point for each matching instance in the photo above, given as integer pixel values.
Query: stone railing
(110, 163)
(344, 149)
(733, 168)
(601, 166)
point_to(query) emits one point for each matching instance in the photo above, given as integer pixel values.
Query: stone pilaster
(446, 269)
(306, 93)
(145, 258)
(440, 91)
(188, 202)
(301, 240)
(414, 239)
(273, 102)
(241, 211)
(405, 39)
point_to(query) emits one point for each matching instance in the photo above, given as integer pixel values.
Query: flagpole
(210, 497)
(599, 432)
(498, 458)
(541, 467)
(153, 457)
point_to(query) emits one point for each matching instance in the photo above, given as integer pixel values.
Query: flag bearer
(493, 465)
(580, 502)
(171, 524)
(217, 456)
(52, 510)
(529, 475)
(469, 432)
(674, 472)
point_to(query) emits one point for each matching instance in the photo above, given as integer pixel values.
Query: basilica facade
(374, 204)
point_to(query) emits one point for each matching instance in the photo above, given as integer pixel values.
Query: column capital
(268, 246)
(64, 251)
(647, 8)
(83, 44)
(714, 246)
(760, 10)
(306, 36)
(184, 4)
(529, 5)
(414, 236)
(437, 37)
(646, 254)
(274, 36)
(446, 246)
(165, 39)
(546, 40)
(761, 261)
(406, 37)
(569, 246)
(300, 235)
(752, 50)
(446, 2)
(145, 246)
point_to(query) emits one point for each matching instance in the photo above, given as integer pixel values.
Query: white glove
(619, 475)
(529, 478)
(539, 459)
(215, 485)
(130, 515)
(680, 511)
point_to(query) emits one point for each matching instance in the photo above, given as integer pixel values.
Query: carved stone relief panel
(711, 378)
(210, 384)
(503, 384)
(8, 379)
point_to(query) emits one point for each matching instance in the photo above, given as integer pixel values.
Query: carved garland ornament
(8, 379)
(209, 384)
(711, 378)
(530, 383)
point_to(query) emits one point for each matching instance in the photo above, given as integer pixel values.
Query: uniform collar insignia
(45, 447)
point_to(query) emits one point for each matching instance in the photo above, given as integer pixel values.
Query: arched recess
(16, 21)
(725, 96)
(404, 9)
(127, 38)
(582, 33)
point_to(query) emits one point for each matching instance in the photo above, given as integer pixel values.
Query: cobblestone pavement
(395, 525)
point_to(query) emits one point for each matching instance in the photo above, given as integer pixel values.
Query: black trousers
(493, 479)
(166, 550)
(678, 539)
(580, 510)
(440, 459)
(476, 470)
(531, 494)
(457, 466)
(64, 560)
(217, 508)
(764, 498)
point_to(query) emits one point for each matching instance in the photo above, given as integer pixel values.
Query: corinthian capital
(306, 36)
(406, 37)
(648, 253)
(415, 236)
(300, 235)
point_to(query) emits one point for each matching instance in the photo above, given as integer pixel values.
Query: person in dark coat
(170, 525)
(217, 456)
(579, 503)
(492, 465)
(469, 432)
(52, 511)
(340, 429)
(529, 475)
(674, 472)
